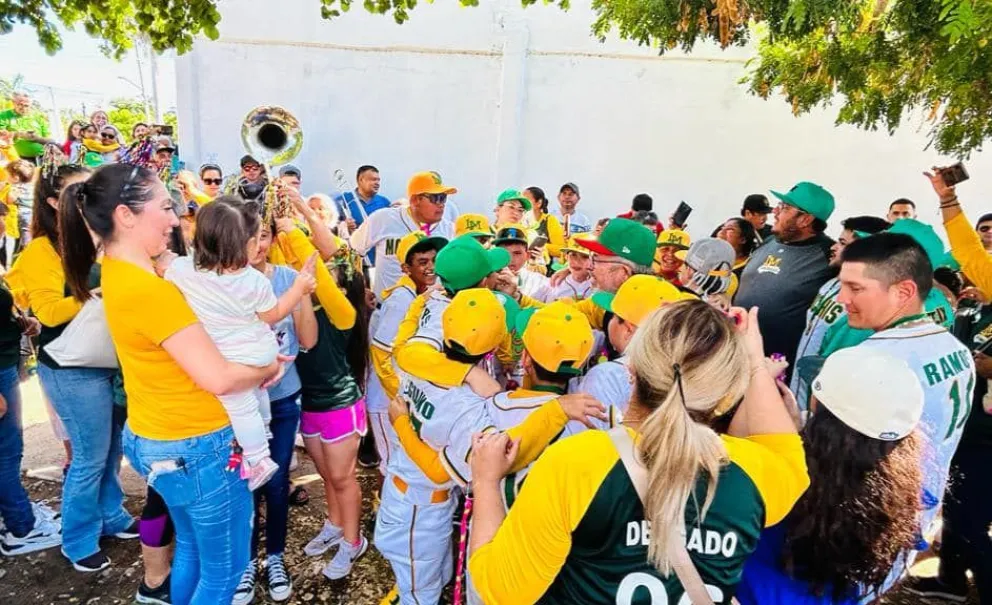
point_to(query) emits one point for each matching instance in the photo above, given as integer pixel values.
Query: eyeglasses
(212, 181)
(516, 207)
(437, 199)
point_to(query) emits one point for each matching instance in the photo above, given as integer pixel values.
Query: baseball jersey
(383, 231)
(383, 325)
(568, 288)
(430, 330)
(530, 282)
(577, 533)
(610, 383)
(947, 374)
(429, 405)
(577, 223)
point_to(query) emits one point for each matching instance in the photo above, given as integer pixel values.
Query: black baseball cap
(569, 185)
(248, 159)
(290, 169)
(757, 203)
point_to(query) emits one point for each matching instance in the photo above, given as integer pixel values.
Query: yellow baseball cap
(427, 182)
(674, 237)
(475, 321)
(572, 245)
(476, 225)
(638, 297)
(417, 241)
(557, 336)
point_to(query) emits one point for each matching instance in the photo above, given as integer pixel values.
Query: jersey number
(959, 400)
(656, 589)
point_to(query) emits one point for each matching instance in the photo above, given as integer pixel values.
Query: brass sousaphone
(272, 136)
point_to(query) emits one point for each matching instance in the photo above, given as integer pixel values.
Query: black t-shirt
(10, 330)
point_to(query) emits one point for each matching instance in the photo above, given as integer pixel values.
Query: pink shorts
(335, 425)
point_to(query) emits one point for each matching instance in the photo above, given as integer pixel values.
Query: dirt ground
(46, 577)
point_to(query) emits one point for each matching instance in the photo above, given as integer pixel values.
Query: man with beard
(786, 272)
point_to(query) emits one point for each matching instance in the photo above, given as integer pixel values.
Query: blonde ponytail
(686, 359)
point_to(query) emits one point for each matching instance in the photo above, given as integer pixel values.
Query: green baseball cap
(810, 198)
(924, 235)
(463, 263)
(509, 195)
(624, 238)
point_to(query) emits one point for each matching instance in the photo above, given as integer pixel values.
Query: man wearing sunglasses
(212, 178)
(384, 229)
(786, 272)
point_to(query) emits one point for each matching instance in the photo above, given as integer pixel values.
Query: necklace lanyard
(549, 388)
(906, 320)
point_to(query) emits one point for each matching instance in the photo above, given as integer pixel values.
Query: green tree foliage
(880, 62)
(166, 23)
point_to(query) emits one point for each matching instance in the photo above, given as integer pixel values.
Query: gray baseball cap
(712, 260)
(290, 169)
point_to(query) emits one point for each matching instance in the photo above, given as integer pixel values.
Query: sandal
(299, 496)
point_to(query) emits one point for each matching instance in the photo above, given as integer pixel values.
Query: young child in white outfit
(237, 305)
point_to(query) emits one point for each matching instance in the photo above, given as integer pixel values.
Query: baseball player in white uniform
(384, 229)
(413, 528)
(578, 284)
(417, 252)
(884, 280)
(609, 381)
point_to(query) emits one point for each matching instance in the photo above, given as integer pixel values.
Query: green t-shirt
(32, 122)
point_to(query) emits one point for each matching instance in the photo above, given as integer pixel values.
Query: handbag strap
(684, 568)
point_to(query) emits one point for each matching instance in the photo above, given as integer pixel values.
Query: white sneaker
(329, 535)
(294, 462)
(42, 509)
(45, 534)
(340, 565)
(245, 592)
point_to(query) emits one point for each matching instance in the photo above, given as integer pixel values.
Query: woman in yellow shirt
(83, 397)
(177, 435)
(579, 532)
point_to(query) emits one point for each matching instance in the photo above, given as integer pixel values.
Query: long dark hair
(353, 284)
(859, 512)
(539, 198)
(68, 132)
(44, 217)
(748, 234)
(89, 206)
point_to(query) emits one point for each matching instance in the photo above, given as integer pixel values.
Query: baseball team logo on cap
(473, 224)
(674, 237)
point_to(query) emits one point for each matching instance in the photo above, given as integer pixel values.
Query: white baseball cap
(871, 391)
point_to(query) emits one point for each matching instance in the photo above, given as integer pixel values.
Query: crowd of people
(562, 409)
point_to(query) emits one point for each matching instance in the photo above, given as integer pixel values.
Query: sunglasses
(436, 198)
(107, 135)
(212, 181)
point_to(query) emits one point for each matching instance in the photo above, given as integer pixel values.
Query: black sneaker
(157, 596)
(130, 533)
(368, 456)
(935, 589)
(95, 562)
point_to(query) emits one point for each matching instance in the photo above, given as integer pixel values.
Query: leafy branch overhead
(879, 62)
(168, 24)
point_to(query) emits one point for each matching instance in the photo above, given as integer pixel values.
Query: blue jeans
(285, 421)
(210, 508)
(92, 498)
(15, 508)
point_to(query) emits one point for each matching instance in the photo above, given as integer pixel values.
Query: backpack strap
(684, 568)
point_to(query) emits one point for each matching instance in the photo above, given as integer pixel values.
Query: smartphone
(539, 242)
(165, 129)
(954, 174)
(681, 214)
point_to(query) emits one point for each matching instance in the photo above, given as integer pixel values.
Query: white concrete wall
(500, 96)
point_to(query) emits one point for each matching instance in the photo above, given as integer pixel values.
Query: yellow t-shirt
(143, 310)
